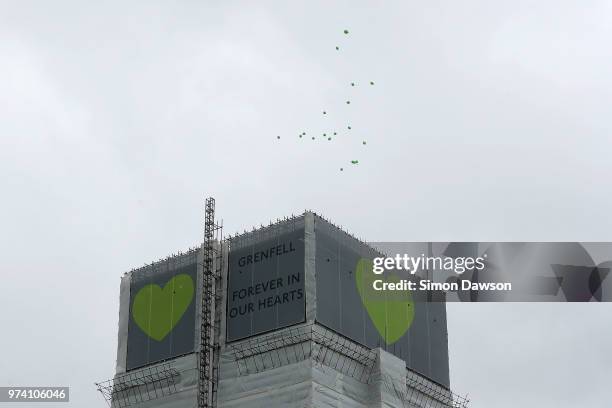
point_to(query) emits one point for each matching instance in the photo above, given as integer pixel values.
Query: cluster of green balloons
(348, 102)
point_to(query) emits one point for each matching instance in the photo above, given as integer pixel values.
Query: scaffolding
(139, 386)
(330, 349)
(208, 358)
(299, 343)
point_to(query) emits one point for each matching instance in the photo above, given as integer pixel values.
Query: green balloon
(346, 32)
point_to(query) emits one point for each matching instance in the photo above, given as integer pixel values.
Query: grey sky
(488, 121)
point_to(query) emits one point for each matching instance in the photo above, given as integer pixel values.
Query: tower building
(281, 316)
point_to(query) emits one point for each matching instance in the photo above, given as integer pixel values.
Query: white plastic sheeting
(124, 316)
(310, 279)
(309, 383)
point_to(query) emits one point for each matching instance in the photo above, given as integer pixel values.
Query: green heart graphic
(391, 313)
(156, 311)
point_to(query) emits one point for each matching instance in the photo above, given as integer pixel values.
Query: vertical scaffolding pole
(207, 381)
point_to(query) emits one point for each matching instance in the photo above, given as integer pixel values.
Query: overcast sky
(487, 120)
